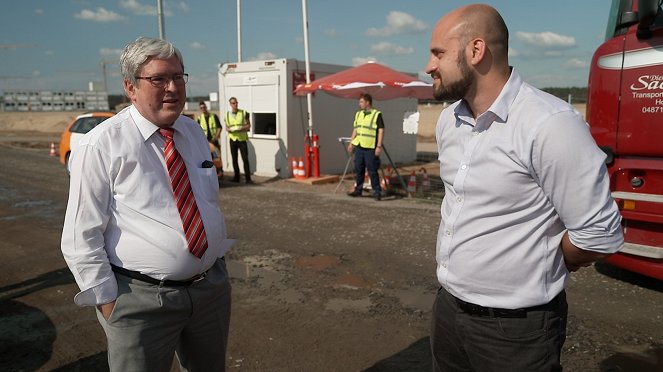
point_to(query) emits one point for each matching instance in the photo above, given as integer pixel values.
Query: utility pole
(162, 34)
(239, 30)
(103, 64)
(308, 69)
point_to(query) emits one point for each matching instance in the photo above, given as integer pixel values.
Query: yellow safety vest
(234, 123)
(366, 126)
(213, 125)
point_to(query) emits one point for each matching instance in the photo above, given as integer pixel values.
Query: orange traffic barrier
(53, 153)
(412, 184)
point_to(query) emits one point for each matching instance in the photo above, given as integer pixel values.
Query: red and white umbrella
(380, 81)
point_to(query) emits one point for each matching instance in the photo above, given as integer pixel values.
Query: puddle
(342, 304)
(317, 262)
(414, 297)
(32, 204)
(350, 281)
(264, 275)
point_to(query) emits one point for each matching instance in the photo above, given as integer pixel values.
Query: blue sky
(59, 45)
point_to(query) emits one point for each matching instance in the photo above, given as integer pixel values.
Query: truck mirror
(647, 12)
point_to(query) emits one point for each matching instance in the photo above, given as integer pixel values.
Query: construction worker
(211, 126)
(238, 126)
(367, 135)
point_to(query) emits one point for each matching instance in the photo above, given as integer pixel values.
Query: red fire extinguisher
(307, 155)
(316, 156)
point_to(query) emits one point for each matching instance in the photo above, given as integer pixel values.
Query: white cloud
(356, 61)
(331, 32)
(575, 63)
(108, 52)
(39, 11)
(197, 46)
(36, 73)
(546, 40)
(182, 6)
(263, 56)
(100, 15)
(513, 52)
(398, 23)
(386, 48)
(137, 8)
(49, 52)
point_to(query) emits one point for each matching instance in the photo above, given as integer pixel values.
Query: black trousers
(243, 148)
(527, 341)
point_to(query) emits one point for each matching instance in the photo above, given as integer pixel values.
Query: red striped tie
(186, 203)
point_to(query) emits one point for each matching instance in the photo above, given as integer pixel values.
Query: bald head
(477, 21)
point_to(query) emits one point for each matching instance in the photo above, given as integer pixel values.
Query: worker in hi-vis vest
(238, 126)
(211, 126)
(366, 145)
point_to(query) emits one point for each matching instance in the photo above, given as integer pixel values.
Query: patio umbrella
(380, 81)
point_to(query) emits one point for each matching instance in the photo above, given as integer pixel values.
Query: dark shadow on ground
(415, 358)
(43, 281)
(651, 360)
(26, 337)
(26, 333)
(629, 276)
(97, 362)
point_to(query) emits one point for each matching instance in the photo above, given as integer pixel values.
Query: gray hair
(136, 53)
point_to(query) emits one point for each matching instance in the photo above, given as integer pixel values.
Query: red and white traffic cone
(412, 184)
(294, 167)
(53, 153)
(301, 172)
(425, 181)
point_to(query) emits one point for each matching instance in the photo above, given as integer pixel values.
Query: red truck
(625, 114)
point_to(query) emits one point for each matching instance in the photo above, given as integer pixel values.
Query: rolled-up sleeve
(571, 170)
(88, 212)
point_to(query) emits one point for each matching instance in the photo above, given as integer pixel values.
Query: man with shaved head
(527, 201)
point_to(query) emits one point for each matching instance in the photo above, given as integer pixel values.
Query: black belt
(165, 283)
(493, 312)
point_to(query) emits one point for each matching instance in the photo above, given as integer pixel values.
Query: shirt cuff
(103, 293)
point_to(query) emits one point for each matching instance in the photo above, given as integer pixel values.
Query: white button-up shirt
(515, 179)
(121, 208)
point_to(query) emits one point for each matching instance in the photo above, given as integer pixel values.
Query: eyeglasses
(163, 81)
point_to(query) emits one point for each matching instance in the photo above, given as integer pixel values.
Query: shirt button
(464, 166)
(444, 264)
(459, 199)
(448, 232)
(476, 133)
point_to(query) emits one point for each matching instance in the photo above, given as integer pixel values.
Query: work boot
(377, 197)
(355, 193)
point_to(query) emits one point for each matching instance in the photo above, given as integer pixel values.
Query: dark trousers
(243, 148)
(366, 159)
(531, 341)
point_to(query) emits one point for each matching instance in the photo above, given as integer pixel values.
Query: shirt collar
(146, 127)
(498, 111)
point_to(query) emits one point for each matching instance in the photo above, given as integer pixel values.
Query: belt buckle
(200, 277)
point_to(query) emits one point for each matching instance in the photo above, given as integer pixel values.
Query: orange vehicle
(76, 129)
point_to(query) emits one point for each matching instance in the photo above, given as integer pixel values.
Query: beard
(458, 89)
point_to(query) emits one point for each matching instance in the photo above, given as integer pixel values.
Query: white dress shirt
(515, 180)
(121, 208)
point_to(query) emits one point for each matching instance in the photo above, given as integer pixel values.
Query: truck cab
(625, 114)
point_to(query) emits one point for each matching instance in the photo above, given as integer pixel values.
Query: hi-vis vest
(234, 123)
(366, 126)
(213, 125)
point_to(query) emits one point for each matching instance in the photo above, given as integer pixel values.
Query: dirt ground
(321, 282)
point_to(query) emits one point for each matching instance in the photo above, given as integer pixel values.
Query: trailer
(279, 118)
